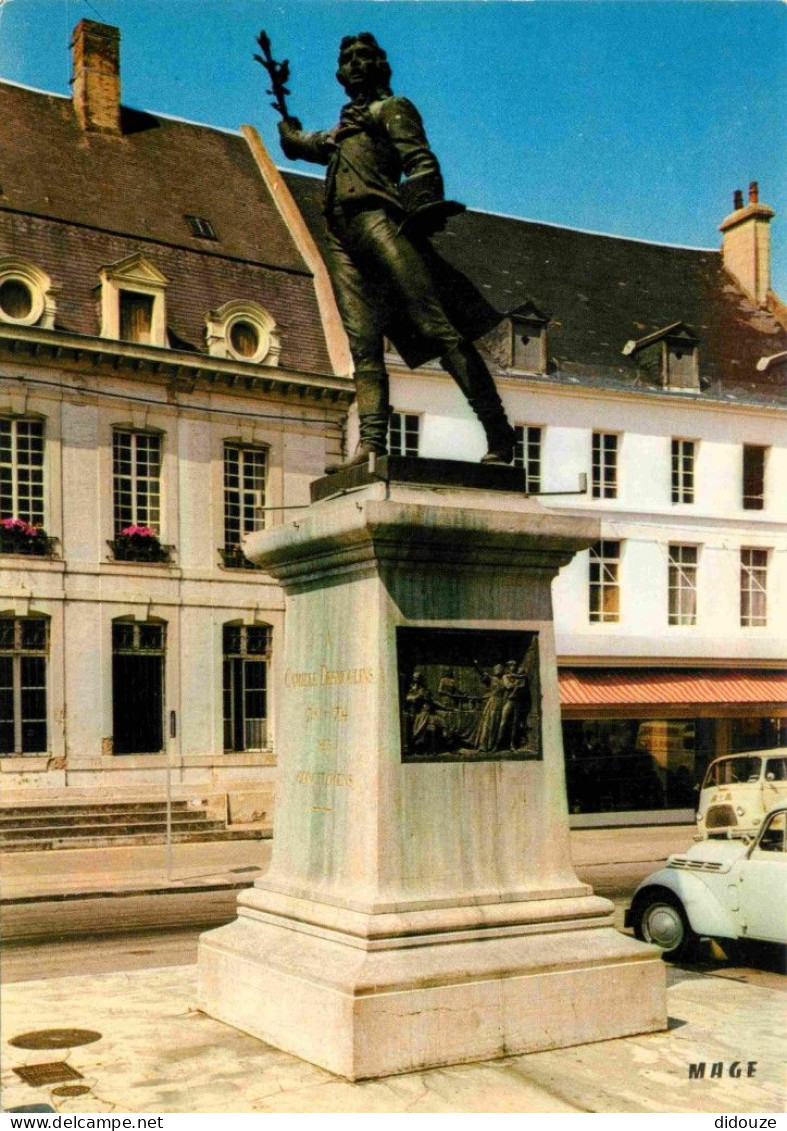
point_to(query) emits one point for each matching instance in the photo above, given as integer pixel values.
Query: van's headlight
(740, 810)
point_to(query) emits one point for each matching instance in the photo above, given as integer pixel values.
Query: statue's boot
(374, 440)
(469, 370)
(371, 395)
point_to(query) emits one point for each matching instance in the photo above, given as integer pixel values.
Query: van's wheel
(658, 917)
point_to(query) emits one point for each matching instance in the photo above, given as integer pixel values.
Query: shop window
(24, 646)
(404, 434)
(246, 651)
(605, 465)
(138, 650)
(753, 477)
(682, 585)
(754, 588)
(243, 330)
(527, 455)
(683, 452)
(604, 581)
(136, 480)
(245, 476)
(632, 765)
(22, 469)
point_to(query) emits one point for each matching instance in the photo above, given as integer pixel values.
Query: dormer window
(25, 294)
(529, 339)
(133, 302)
(243, 330)
(669, 357)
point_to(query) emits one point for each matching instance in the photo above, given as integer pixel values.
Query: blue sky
(637, 118)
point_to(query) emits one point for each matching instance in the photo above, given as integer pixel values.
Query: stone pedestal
(421, 907)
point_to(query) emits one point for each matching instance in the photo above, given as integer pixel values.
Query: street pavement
(158, 1053)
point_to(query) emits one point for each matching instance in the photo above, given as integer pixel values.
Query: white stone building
(164, 373)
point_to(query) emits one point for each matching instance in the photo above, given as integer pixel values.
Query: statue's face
(357, 67)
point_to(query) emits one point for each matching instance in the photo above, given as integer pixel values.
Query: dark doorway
(137, 688)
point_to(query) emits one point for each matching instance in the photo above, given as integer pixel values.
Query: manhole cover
(55, 1038)
(38, 1074)
(71, 1090)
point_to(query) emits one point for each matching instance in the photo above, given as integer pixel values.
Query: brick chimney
(96, 78)
(746, 244)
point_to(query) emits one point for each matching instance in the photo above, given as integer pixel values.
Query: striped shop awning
(671, 690)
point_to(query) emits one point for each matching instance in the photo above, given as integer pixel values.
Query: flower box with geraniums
(17, 536)
(139, 544)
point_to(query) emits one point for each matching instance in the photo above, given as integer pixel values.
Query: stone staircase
(41, 827)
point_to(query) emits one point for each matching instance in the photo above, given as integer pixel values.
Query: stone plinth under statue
(421, 907)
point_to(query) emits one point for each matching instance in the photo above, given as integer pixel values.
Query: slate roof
(601, 291)
(72, 202)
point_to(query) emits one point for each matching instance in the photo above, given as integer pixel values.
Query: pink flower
(20, 526)
(138, 532)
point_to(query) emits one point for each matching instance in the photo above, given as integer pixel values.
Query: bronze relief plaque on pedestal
(467, 695)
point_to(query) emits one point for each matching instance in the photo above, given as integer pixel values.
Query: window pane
(245, 471)
(244, 339)
(16, 300)
(34, 634)
(754, 577)
(604, 591)
(151, 636)
(256, 639)
(21, 469)
(527, 455)
(604, 465)
(245, 687)
(232, 639)
(753, 477)
(34, 738)
(136, 473)
(404, 434)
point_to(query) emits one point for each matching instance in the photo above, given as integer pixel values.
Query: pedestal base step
(363, 1013)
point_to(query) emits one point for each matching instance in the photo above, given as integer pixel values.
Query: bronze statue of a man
(379, 257)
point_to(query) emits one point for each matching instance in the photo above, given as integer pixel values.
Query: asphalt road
(93, 936)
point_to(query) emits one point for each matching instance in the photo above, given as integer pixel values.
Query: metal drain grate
(71, 1090)
(36, 1075)
(55, 1038)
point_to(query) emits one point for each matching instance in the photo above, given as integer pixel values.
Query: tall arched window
(246, 652)
(138, 651)
(24, 648)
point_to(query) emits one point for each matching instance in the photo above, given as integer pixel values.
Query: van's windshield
(733, 771)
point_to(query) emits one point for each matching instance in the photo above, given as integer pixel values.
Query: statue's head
(363, 65)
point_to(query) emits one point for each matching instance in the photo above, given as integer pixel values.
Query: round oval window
(16, 301)
(244, 339)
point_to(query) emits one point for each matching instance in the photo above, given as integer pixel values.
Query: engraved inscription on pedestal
(468, 695)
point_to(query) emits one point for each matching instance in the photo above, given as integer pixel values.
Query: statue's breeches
(379, 277)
